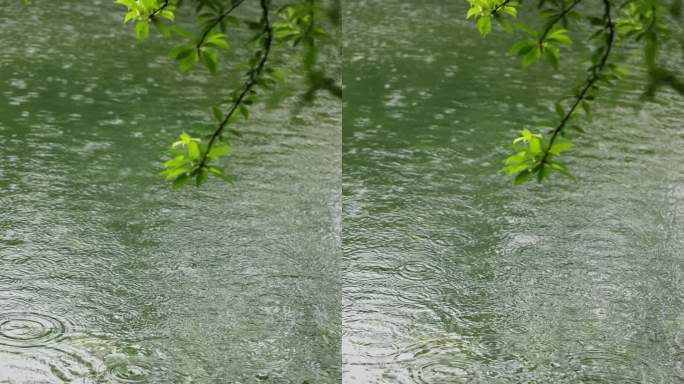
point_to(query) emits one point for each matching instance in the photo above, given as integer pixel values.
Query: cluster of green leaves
(199, 49)
(538, 45)
(638, 20)
(484, 11)
(300, 24)
(654, 23)
(535, 153)
(146, 12)
(187, 163)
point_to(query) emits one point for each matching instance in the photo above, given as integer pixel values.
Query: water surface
(107, 275)
(452, 275)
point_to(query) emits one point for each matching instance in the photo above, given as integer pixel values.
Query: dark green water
(451, 275)
(108, 276)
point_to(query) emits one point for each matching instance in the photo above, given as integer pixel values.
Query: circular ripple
(28, 329)
(441, 359)
(126, 372)
(420, 271)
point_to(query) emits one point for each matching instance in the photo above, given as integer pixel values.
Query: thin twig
(593, 78)
(251, 82)
(498, 7)
(558, 18)
(217, 21)
(161, 8)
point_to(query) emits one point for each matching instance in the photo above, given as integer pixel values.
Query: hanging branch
(591, 80)
(496, 9)
(216, 22)
(557, 19)
(161, 8)
(195, 157)
(252, 80)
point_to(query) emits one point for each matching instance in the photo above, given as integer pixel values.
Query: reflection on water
(451, 275)
(109, 277)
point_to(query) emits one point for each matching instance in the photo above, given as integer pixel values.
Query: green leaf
(542, 173)
(244, 111)
(185, 138)
(522, 47)
(150, 4)
(587, 108)
(174, 172)
(558, 148)
(219, 173)
(522, 177)
(209, 59)
(484, 25)
(130, 16)
(142, 30)
(559, 110)
(473, 11)
(510, 11)
(130, 4)
(560, 36)
(186, 63)
(218, 115)
(162, 28)
(553, 55)
(531, 56)
(527, 135)
(517, 158)
(168, 15)
(535, 146)
(176, 162)
(181, 51)
(180, 181)
(193, 150)
(217, 39)
(232, 118)
(217, 152)
(560, 168)
(516, 168)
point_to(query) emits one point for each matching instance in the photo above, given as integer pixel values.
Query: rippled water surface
(453, 276)
(107, 275)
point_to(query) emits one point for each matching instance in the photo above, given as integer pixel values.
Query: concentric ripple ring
(29, 329)
(125, 372)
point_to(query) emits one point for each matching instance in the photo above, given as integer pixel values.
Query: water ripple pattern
(128, 372)
(452, 275)
(26, 329)
(110, 277)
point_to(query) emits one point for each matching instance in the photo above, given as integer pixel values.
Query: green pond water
(449, 274)
(110, 277)
(452, 275)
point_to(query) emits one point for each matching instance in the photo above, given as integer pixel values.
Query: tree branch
(161, 8)
(499, 6)
(593, 78)
(558, 18)
(217, 21)
(252, 80)
(312, 4)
